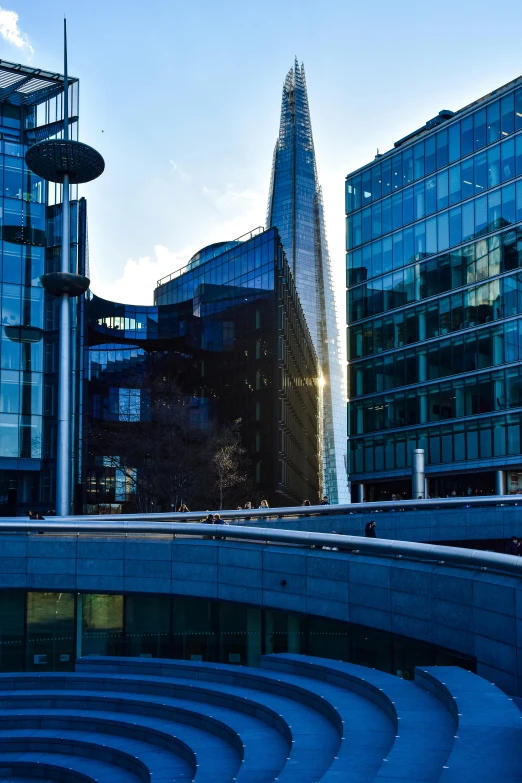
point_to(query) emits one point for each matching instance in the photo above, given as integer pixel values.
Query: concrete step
(488, 726)
(94, 769)
(157, 761)
(207, 754)
(363, 741)
(316, 726)
(250, 729)
(39, 772)
(13, 779)
(422, 729)
(298, 719)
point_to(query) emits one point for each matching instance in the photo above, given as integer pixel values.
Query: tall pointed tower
(295, 207)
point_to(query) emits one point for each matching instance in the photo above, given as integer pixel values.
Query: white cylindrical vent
(418, 486)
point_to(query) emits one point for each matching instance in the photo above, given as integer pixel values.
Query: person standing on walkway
(369, 530)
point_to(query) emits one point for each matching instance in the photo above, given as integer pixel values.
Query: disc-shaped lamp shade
(52, 160)
(59, 283)
(23, 334)
(23, 235)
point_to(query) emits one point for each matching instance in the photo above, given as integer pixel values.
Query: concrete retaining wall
(466, 609)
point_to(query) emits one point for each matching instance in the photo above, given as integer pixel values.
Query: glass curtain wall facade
(295, 207)
(434, 303)
(231, 331)
(31, 106)
(43, 631)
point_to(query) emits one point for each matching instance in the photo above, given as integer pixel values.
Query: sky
(182, 99)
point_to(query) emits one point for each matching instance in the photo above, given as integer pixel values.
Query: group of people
(248, 505)
(37, 515)
(323, 502)
(183, 509)
(216, 519)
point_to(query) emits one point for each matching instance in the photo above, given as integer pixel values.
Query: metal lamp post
(67, 162)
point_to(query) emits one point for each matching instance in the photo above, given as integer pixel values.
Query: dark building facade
(230, 330)
(434, 276)
(31, 110)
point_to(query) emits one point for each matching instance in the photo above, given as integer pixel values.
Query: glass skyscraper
(434, 264)
(295, 207)
(230, 332)
(31, 110)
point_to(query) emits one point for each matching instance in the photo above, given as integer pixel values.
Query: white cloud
(10, 31)
(225, 199)
(179, 170)
(139, 278)
(222, 215)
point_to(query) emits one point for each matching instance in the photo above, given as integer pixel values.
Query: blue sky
(187, 95)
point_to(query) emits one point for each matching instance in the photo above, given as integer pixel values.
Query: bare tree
(229, 462)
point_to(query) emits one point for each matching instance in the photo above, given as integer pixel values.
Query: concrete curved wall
(452, 524)
(464, 608)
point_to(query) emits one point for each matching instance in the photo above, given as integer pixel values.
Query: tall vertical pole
(63, 457)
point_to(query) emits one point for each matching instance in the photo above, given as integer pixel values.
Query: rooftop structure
(21, 85)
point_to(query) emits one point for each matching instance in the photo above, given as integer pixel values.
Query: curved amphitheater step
(13, 777)
(488, 735)
(422, 739)
(312, 738)
(149, 735)
(313, 711)
(423, 729)
(56, 736)
(297, 719)
(39, 772)
(99, 764)
(246, 726)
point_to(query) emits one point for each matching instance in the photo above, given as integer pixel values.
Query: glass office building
(230, 330)
(295, 207)
(31, 109)
(434, 302)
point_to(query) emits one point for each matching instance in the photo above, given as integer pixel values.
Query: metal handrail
(254, 514)
(475, 559)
